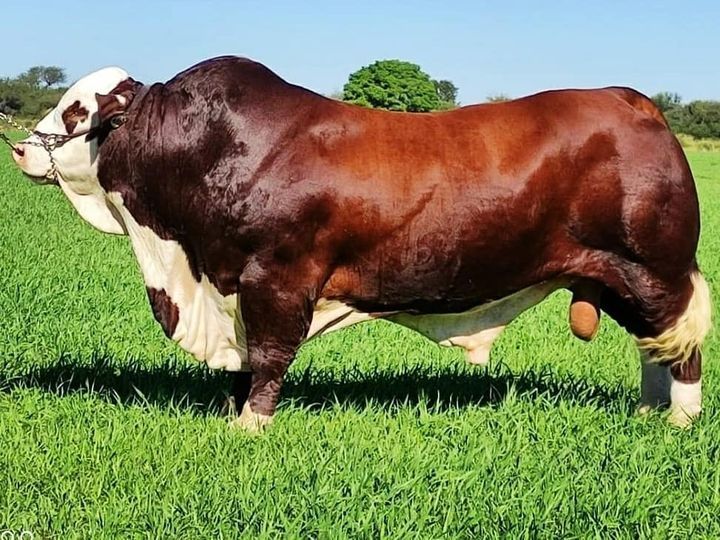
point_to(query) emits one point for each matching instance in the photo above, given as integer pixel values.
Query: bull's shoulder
(222, 66)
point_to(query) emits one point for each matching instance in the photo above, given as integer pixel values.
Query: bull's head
(78, 122)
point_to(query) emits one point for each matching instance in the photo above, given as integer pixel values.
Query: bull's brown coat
(285, 197)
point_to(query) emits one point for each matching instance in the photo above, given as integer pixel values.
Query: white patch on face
(76, 160)
(209, 324)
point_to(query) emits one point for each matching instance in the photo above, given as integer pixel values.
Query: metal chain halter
(9, 120)
(48, 141)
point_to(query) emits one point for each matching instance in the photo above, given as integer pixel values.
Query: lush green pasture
(108, 430)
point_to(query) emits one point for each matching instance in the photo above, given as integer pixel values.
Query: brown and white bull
(263, 214)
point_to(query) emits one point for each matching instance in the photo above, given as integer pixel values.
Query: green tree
(447, 94)
(33, 93)
(700, 119)
(392, 84)
(11, 96)
(37, 76)
(53, 75)
(10, 104)
(497, 98)
(31, 77)
(666, 101)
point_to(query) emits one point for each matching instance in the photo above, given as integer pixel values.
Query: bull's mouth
(18, 154)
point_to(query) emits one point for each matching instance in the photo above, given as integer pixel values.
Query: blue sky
(511, 47)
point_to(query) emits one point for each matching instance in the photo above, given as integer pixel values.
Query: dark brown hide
(165, 311)
(284, 196)
(690, 371)
(73, 115)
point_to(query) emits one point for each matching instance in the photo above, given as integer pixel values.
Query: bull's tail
(678, 342)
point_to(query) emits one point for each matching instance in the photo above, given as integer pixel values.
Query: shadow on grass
(205, 391)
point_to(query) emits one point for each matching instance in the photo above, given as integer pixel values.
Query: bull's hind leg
(672, 359)
(669, 322)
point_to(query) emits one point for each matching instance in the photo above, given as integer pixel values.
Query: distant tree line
(32, 93)
(699, 118)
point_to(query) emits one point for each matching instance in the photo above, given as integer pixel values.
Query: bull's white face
(76, 160)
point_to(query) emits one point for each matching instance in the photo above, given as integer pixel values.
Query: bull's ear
(110, 105)
(117, 101)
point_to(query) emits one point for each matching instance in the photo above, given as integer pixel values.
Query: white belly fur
(210, 325)
(459, 328)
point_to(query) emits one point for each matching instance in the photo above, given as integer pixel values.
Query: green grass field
(107, 430)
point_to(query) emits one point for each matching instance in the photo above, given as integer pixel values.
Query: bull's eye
(117, 121)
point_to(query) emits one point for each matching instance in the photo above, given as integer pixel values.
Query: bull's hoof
(251, 422)
(644, 409)
(683, 417)
(678, 416)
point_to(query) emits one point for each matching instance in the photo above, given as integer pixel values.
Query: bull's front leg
(277, 318)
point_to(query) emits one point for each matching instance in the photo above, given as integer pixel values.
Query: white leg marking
(685, 402)
(654, 385)
(250, 421)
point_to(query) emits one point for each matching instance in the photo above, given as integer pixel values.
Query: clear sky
(511, 47)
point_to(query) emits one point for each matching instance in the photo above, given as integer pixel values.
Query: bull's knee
(585, 310)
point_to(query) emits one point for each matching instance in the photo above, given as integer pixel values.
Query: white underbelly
(211, 326)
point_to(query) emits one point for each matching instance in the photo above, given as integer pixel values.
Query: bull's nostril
(19, 151)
